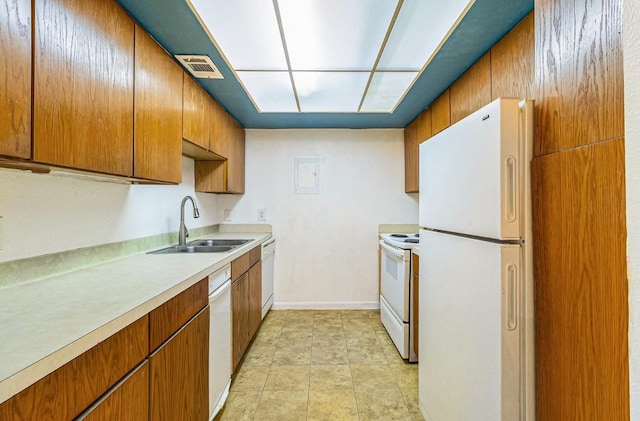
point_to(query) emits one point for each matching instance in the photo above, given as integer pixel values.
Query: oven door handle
(392, 250)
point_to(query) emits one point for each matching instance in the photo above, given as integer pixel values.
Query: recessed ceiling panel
(271, 91)
(335, 34)
(385, 90)
(421, 27)
(246, 31)
(330, 91)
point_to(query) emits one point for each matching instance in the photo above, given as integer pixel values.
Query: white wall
(46, 213)
(326, 244)
(631, 48)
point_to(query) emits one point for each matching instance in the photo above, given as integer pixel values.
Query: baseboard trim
(344, 305)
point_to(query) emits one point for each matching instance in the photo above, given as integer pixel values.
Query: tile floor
(323, 365)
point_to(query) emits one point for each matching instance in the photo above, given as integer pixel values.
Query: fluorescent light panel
(330, 50)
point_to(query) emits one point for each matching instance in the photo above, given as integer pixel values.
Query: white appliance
(219, 339)
(268, 258)
(396, 291)
(476, 284)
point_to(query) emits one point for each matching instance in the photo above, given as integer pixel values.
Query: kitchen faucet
(183, 233)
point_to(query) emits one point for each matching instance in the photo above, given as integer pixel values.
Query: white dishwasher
(268, 256)
(219, 339)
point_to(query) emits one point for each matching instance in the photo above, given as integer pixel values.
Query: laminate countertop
(46, 323)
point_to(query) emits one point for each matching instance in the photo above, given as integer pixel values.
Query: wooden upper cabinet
(15, 78)
(219, 130)
(83, 85)
(423, 127)
(411, 157)
(512, 62)
(196, 111)
(472, 90)
(235, 161)
(158, 112)
(440, 113)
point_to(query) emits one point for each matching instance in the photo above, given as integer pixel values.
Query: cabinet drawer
(65, 393)
(244, 262)
(165, 320)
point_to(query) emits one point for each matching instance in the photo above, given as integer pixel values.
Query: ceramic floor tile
(367, 355)
(259, 355)
(267, 338)
(355, 314)
(332, 405)
(303, 325)
(411, 399)
(361, 324)
(329, 355)
(276, 314)
(373, 314)
(327, 314)
(295, 339)
(300, 314)
(392, 354)
(406, 375)
(271, 323)
(292, 356)
(330, 377)
(382, 404)
(327, 324)
(240, 406)
(384, 338)
(288, 378)
(361, 341)
(249, 379)
(282, 405)
(328, 339)
(372, 377)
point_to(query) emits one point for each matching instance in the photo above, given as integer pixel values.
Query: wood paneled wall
(579, 212)
(472, 90)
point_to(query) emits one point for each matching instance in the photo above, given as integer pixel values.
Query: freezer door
(469, 329)
(472, 174)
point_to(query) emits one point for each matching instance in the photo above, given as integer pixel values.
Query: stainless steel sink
(209, 242)
(203, 246)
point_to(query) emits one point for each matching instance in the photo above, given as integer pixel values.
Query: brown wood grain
(472, 90)
(179, 374)
(127, 401)
(239, 319)
(411, 157)
(219, 130)
(581, 293)
(423, 127)
(158, 112)
(255, 255)
(235, 164)
(196, 112)
(65, 393)
(255, 298)
(166, 319)
(15, 78)
(440, 113)
(579, 76)
(210, 176)
(512, 62)
(83, 85)
(240, 265)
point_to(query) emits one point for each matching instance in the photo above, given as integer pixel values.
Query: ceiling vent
(200, 66)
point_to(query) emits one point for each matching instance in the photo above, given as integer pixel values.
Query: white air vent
(200, 66)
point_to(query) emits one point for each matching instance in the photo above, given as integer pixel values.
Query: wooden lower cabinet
(127, 401)
(179, 373)
(246, 301)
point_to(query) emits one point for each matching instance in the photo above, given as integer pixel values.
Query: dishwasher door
(219, 339)
(268, 257)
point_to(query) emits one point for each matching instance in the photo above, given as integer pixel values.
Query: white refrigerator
(476, 275)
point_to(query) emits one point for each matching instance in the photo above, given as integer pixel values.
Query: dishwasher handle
(218, 292)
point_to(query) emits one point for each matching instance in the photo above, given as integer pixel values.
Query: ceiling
(175, 26)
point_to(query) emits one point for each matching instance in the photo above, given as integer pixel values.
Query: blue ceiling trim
(172, 23)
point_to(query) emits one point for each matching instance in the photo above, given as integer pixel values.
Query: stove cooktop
(403, 241)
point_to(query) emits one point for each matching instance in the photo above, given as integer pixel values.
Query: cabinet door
(15, 79)
(219, 130)
(255, 298)
(83, 85)
(158, 112)
(411, 158)
(239, 318)
(235, 162)
(126, 401)
(179, 373)
(440, 113)
(195, 112)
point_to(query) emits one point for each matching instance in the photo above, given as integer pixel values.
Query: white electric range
(396, 290)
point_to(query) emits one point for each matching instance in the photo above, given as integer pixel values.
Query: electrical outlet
(227, 214)
(262, 214)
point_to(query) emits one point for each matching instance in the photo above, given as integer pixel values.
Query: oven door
(394, 279)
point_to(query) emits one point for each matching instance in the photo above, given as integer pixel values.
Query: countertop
(46, 323)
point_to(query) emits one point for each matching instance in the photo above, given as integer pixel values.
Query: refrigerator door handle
(512, 297)
(511, 193)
